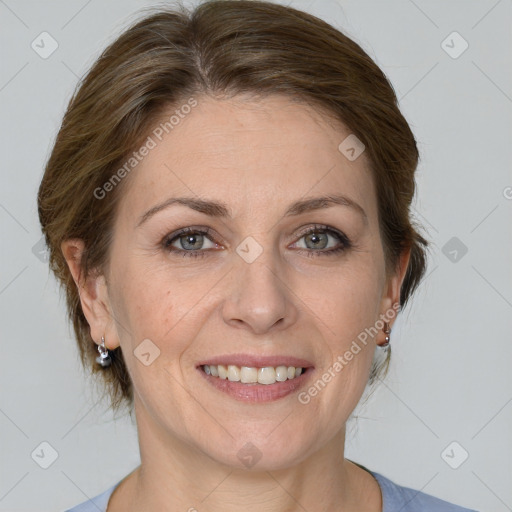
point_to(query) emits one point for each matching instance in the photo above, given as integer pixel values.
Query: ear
(93, 295)
(391, 298)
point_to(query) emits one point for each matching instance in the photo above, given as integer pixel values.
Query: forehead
(247, 153)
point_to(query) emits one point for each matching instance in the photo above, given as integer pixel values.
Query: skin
(257, 157)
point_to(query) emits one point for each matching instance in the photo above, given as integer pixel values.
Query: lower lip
(258, 392)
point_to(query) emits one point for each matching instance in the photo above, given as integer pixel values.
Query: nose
(259, 298)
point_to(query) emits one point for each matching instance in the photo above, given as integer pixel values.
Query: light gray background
(450, 377)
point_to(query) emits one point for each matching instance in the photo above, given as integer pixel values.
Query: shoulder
(411, 500)
(97, 504)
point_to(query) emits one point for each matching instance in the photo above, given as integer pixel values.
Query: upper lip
(257, 361)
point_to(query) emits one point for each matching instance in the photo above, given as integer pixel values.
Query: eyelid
(207, 232)
(325, 228)
(203, 230)
(344, 243)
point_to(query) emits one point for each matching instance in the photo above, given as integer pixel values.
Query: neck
(174, 475)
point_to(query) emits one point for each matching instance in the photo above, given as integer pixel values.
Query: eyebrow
(218, 209)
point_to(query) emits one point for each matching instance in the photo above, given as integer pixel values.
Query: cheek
(346, 305)
(152, 323)
(346, 300)
(153, 302)
(348, 308)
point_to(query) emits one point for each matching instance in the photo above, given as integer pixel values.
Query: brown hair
(222, 47)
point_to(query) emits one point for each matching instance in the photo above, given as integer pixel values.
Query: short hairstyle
(220, 48)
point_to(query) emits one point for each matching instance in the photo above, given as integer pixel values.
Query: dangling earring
(104, 357)
(386, 330)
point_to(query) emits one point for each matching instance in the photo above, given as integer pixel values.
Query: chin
(256, 453)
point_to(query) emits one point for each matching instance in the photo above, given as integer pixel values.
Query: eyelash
(317, 228)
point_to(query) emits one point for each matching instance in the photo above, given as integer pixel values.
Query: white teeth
(233, 373)
(252, 375)
(248, 375)
(266, 375)
(222, 371)
(281, 373)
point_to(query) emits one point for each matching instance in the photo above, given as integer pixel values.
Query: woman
(227, 207)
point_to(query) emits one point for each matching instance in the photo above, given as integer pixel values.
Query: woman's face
(256, 285)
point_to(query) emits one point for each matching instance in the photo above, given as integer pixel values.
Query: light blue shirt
(395, 498)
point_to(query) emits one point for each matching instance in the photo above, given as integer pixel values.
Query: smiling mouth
(253, 375)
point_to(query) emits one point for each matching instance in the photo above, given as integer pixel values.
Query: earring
(104, 357)
(386, 331)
